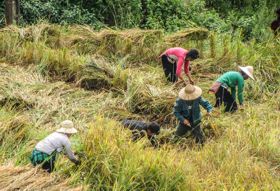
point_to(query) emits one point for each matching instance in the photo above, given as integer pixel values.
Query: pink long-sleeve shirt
(179, 55)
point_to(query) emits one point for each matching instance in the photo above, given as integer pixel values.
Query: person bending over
(225, 88)
(174, 59)
(45, 151)
(140, 129)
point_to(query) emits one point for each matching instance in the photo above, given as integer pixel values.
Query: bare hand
(191, 81)
(186, 122)
(178, 82)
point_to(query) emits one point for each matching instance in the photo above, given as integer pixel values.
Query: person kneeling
(140, 129)
(187, 111)
(45, 151)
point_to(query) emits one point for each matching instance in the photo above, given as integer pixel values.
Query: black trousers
(169, 69)
(49, 164)
(224, 96)
(195, 131)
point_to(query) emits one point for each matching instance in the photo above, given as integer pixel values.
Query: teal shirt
(190, 109)
(231, 80)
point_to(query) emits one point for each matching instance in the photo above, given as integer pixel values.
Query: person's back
(45, 151)
(230, 78)
(53, 142)
(174, 60)
(177, 51)
(140, 129)
(225, 87)
(135, 124)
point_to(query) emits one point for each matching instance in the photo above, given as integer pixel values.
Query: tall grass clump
(100, 73)
(14, 135)
(146, 99)
(111, 162)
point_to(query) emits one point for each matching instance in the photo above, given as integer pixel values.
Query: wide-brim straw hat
(248, 70)
(67, 127)
(190, 92)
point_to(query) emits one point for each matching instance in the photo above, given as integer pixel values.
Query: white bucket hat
(67, 127)
(190, 92)
(248, 70)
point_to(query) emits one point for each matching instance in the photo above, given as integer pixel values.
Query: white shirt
(55, 142)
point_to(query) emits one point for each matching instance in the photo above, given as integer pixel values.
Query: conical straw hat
(248, 70)
(190, 92)
(67, 127)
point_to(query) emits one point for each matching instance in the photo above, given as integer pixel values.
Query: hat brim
(196, 94)
(246, 71)
(67, 131)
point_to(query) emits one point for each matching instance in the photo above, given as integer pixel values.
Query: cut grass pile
(27, 178)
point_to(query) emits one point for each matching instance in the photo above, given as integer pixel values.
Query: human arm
(69, 152)
(179, 68)
(240, 86)
(190, 78)
(206, 105)
(187, 71)
(233, 93)
(126, 123)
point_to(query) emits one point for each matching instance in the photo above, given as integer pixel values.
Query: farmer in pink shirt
(173, 60)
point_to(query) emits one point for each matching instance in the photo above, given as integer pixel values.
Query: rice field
(50, 73)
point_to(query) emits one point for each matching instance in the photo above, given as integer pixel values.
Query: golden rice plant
(110, 163)
(181, 37)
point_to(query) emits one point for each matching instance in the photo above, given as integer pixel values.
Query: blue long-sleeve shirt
(190, 109)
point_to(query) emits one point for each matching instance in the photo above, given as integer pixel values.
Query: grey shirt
(56, 142)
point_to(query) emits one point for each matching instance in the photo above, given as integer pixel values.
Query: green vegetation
(45, 68)
(252, 17)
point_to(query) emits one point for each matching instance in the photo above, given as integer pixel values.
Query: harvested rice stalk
(26, 178)
(16, 102)
(179, 38)
(13, 127)
(149, 100)
(36, 33)
(101, 74)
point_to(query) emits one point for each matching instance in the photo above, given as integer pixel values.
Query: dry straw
(27, 178)
(241, 152)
